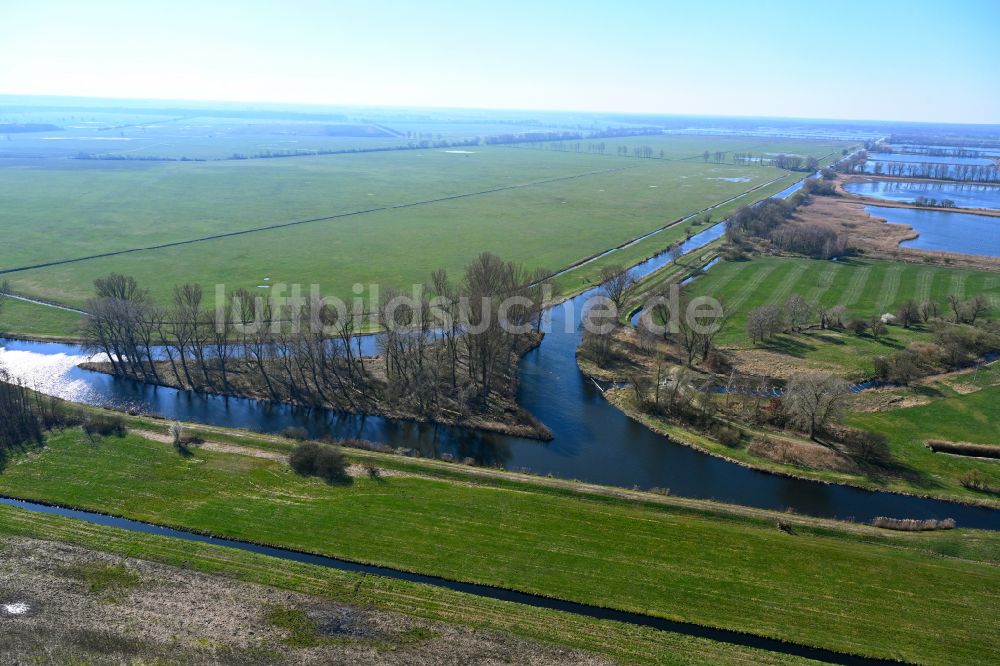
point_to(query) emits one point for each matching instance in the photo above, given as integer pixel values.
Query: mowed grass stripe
(890, 287)
(958, 284)
(925, 282)
(856, 287)
(789, 280)
(750, 285)
(823, 283)
(731, 272)
(989, 285)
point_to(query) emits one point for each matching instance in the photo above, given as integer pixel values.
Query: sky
(877, 59)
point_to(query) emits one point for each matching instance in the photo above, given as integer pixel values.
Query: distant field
(63, 209)
(692, 147)
(865, 287)
(120, 135)
(550, 225)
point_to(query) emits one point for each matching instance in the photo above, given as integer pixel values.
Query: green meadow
(586, 205)
(923, 598)
(36, 321)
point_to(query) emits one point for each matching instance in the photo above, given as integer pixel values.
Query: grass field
(952, 416)
(551, 225)
(36, 321)
(609, 639)
(68, 208)
(704, 567)
(865, 287)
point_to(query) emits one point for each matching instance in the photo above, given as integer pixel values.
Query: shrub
(899, 368)
(976, 480)
(820, 188)
(176, 432)
(295, 432)
(727, 434)
(865, 445)
(320, 460)
(858, 326)
(104, 426)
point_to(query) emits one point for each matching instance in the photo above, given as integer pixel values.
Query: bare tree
(676, 252)
(616, 284)
(929, 310)
(975, 307)
(797, 312)
(956, 307)
(909, 313)
(813, 401)
(763, 323)
(877, 327)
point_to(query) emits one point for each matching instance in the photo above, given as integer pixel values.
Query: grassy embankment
(922, 597)
(612, 640)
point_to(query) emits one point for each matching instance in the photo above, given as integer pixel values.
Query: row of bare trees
(796, 313)
(449, 347)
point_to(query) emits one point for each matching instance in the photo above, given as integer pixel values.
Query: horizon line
(364, 106)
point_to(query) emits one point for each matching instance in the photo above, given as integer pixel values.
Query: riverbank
(871, 288)
(794, 453)
(491, 527)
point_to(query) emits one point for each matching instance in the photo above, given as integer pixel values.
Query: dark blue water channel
(593, 441)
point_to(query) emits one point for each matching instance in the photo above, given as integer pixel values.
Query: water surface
(945, 231)
(965, 195)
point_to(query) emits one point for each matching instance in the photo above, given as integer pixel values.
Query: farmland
(692, 147)
(419, 517)
(428, 209)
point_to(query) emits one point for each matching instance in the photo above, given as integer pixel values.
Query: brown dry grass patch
(802, 454)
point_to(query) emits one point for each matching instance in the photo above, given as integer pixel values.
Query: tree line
(771, 220)
(452, 348)
(979, 173)
(959, 331)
